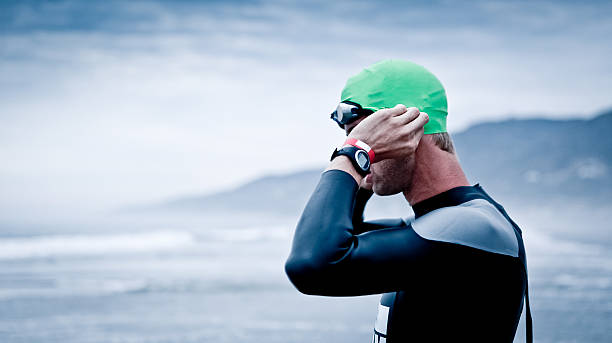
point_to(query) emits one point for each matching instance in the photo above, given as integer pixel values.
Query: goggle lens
(346, 113)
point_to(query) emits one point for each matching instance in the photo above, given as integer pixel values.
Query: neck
(435, 171)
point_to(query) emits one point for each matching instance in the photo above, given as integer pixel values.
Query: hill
(532, 161)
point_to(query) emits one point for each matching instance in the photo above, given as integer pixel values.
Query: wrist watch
(359, 158)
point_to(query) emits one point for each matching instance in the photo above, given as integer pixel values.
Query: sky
(106, 104)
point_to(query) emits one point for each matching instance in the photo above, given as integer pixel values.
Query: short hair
(443, 141)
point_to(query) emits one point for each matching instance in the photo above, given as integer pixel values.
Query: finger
(391, 112)
(411, 114)
(398, 110)
(418, 122)
(366, 183)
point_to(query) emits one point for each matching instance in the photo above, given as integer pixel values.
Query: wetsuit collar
(451, 197)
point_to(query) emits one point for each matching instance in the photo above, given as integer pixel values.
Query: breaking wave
(92, 245)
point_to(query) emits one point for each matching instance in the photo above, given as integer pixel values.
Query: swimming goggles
(347, 112)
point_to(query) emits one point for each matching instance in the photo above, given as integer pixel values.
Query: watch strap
(361, 145)
(351, 152)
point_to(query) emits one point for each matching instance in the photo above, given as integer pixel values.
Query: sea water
(227, 284)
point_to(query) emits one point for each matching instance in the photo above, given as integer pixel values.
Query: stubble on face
(392, 176)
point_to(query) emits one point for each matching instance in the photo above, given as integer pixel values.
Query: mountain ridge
(531, 160)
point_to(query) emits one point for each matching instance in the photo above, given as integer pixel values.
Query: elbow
(304, 275)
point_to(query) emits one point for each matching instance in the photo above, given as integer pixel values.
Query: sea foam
(94, 244)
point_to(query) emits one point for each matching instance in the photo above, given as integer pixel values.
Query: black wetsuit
(457, 272)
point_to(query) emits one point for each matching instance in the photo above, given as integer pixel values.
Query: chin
(380, 189)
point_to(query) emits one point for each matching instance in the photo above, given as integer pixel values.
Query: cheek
(374, 168)
(389, 169)
(380, 169)
(377, 168)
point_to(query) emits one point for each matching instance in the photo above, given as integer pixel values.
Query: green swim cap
(391, 82)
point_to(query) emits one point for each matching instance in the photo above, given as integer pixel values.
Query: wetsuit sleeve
(361, 226)
(361, 199)
(329, 258)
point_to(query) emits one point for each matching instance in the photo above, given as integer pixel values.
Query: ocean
(227, 284)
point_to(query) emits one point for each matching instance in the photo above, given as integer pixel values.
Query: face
(388, 177)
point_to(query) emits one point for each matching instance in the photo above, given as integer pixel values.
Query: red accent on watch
(361, 145)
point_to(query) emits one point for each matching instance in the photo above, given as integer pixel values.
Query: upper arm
(385, 260)
(371, 263)
(378, 224)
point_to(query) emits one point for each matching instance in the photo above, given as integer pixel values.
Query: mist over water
(226, 283)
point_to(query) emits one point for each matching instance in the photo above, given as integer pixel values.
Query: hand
(366, 183)
(392, 132)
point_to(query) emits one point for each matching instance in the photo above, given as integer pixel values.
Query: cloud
(133, 101)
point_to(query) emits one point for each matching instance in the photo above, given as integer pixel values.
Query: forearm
(324, 233)
(326, 222)
(361, 199)
(344, 164)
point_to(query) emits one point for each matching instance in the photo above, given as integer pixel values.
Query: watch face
(362, 159)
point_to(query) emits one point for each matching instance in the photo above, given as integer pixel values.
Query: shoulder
(476, 223)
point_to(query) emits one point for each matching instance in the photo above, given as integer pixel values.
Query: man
(457, 272)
